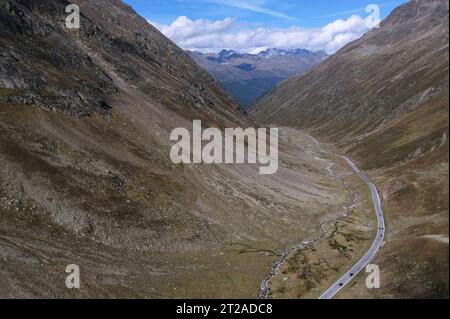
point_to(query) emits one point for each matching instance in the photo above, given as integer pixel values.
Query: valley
(94, 186)
(248, 77)
(89, 124)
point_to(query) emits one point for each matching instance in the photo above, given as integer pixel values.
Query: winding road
(364, 261)
(378, 242)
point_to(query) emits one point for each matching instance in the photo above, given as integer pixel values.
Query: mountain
(247, 77)
(56, 68)
(86, 176)
(383, 99)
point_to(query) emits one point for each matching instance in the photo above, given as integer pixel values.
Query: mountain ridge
(357, 51)
(248, 77)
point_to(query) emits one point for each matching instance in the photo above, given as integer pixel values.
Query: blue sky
(307, 13)
(225, 18)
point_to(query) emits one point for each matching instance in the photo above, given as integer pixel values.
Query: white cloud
(212, 36)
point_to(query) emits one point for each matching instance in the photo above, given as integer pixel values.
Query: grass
(9, 92)
(310, 271)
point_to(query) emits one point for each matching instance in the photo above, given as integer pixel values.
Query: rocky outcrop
(46, 64)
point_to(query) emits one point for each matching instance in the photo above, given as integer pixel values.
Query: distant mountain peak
(248, 76)
(272, 52)
(225, 52)
(225, 55)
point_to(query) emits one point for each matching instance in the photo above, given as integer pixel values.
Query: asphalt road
(378, 242)
(376, 246)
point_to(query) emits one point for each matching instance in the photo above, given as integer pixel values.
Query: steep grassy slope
(383, 99)
(389, 71)
(408, 159)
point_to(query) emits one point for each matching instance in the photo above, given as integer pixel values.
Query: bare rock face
(51, 66)
(43, 67)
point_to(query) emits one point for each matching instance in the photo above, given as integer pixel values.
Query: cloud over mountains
(212, 36)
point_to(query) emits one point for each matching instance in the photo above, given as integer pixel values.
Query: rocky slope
(86, 177)
(53, 67)
(247, 77)
(384, 100)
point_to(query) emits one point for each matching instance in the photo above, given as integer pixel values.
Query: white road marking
(379, 239)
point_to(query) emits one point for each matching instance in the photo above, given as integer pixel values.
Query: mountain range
(248, 77)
